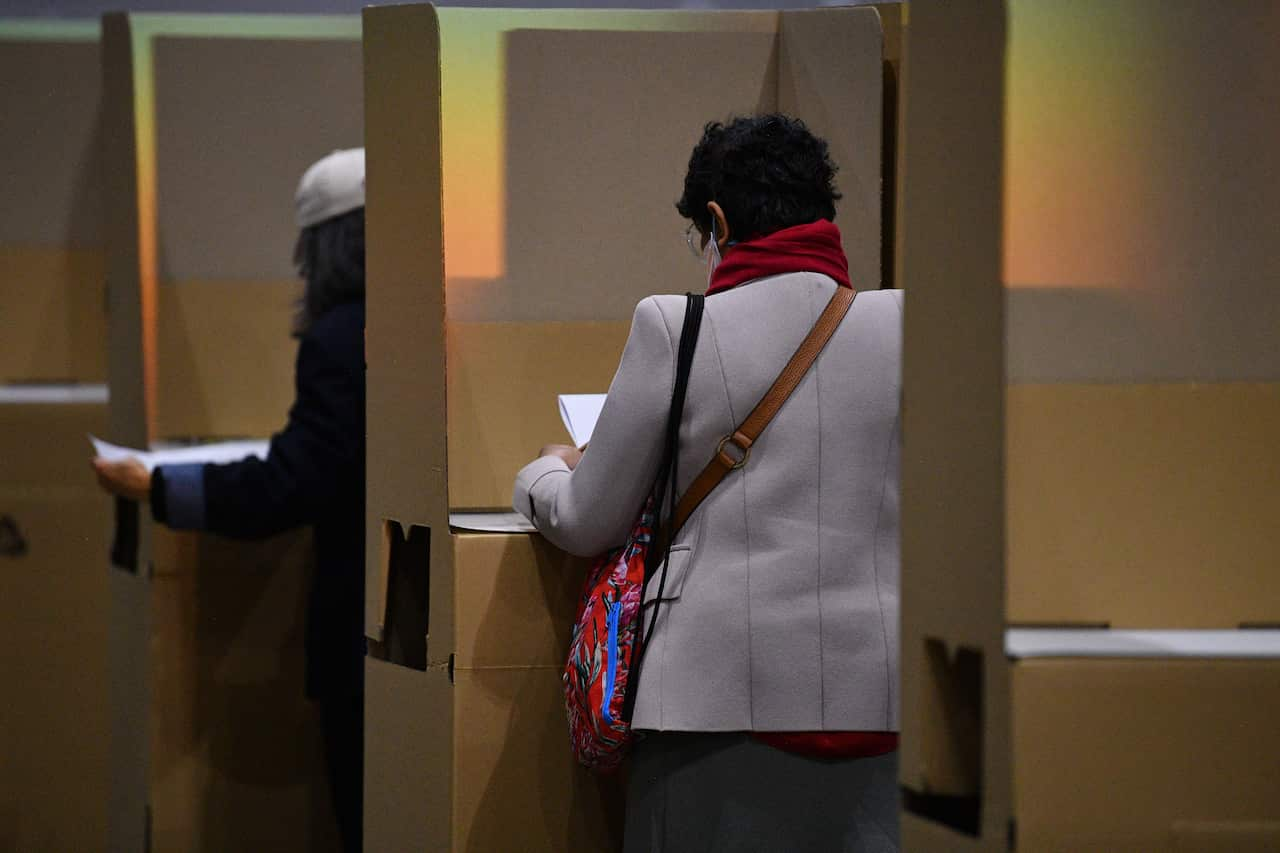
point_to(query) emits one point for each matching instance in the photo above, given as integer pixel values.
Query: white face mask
(713, 253)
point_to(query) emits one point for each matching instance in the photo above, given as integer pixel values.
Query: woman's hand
(127, 478)
(570, 454)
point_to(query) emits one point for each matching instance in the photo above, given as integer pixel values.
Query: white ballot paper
(219, 452)
(491, 522)
(580, 413)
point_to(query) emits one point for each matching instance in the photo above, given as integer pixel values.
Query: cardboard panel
(51, 170)
(493, 435)
(586, 266)
(54, 720)
(1144, 506)
(407, 716)
(405, 347)
(482, 157)
(227, 358)
(238, 120)
(516, 600)
(129, 299)
(518, 786)
(46, 444)
(830, 76)
(1146, 755)
(236, 745)
(949, 259)
(609, 161)
(1143, 185)
(52, 318)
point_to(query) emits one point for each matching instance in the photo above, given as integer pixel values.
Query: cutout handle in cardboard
(12, 542)
(407, 568)
(124, 544)
(948, 787)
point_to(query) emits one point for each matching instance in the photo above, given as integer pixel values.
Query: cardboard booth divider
(210, 122)
(521, 180)
(52, 317)
(1120, 497)
(54, 527)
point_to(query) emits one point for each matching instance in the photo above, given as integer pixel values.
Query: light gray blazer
(781, 610)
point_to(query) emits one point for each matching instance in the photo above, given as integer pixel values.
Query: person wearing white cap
(314, 472)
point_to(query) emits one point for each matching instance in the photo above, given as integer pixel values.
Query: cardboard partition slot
(12, 542)
(406, 561)
(124, 544)
(951, 781)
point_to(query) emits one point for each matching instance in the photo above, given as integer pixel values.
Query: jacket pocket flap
(677, 566)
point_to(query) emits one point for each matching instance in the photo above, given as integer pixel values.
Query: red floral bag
(607, 644)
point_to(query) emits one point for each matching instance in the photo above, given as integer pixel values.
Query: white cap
(332, 186)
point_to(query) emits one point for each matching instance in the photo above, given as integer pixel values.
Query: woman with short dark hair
(767, 705)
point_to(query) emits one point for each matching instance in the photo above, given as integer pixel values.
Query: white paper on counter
(54, 393)
(580, 413)
(1105, 643)
(218, 452)
(491, 522)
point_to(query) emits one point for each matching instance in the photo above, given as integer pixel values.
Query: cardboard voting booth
(54, 529)
(522, 173)
(210, 122)
(1088, 436)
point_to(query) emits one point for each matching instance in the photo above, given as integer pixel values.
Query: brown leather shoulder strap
(747, 433)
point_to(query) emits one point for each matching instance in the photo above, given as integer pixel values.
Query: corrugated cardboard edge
(408, 764)
(405, 282)
(129, 658)
(949, 262)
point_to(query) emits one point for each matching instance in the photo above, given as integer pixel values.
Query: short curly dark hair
(767, 172)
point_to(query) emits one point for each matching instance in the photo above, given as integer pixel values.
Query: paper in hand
(579, 412)
(218, 452)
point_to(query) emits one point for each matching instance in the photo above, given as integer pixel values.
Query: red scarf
(814, 247)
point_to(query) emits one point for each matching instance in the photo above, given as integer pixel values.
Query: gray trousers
(704, 792)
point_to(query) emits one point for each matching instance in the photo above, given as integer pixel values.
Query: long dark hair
(329, 256)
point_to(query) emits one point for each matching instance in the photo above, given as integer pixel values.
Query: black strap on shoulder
(664, 489)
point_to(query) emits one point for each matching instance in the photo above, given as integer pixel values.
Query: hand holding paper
(127, 478)
(218, 452)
